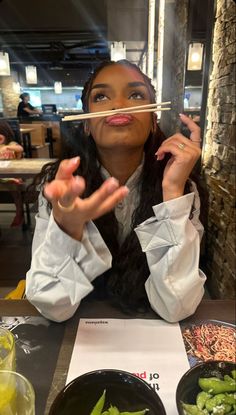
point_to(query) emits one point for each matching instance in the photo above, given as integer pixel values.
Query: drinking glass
(7, 350)
(16, 394)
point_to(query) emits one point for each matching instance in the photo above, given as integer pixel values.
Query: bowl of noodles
(207, 388)
(209, 340)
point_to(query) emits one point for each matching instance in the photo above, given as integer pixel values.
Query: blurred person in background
(25, 109)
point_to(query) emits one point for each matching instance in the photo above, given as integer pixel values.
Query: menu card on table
(151, 349)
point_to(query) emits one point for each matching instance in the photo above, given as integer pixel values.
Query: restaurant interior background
(187, 47)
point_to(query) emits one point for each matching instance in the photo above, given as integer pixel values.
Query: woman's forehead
(113, 72)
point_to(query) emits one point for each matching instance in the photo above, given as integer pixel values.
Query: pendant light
(118, 51)
(4, 64)
(57, 87)
(31, 74)
(195, 54)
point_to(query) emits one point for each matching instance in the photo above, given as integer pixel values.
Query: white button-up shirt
(63, 269)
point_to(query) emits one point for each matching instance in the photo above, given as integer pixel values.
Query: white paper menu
(151, 349)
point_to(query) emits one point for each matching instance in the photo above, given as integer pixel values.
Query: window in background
(35, 97)
(69, 99)
(78, 101)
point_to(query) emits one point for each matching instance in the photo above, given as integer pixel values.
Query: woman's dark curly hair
(125, 282)
(7, 132)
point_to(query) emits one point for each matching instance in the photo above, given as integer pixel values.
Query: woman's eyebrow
(130, 85)
(100, 86)
(136, 83)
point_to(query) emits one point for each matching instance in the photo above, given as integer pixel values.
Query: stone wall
(219, 157)
(10, 98)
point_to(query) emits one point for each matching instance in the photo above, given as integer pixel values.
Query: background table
(223, 310)
(24, 168)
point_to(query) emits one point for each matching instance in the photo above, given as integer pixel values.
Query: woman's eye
(99, 97)
(137, 95)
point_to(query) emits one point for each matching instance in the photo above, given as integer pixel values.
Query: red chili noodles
(211, 342)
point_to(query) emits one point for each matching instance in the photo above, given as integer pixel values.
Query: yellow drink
(7, 400)
(7, 350)
(16, 394)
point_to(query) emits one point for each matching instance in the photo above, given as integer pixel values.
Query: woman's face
(116, 87)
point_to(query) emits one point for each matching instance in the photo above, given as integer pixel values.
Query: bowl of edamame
(208, 388)
(107, 392)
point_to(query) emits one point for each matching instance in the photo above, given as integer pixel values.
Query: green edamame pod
(233, 412)
(135, 413)
(105, 413)
(228, 378)
(97, 410)
(113, 410)
(233, 374)
(202, 397)
(192, 409)
(226, 408)
(216, 385)
(221, 410)
(230, 398)
(217, 400)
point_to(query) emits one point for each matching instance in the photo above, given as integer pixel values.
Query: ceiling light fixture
(31, 74)
(4, 64)
(57, 87)
(195, 55)
(118, 51)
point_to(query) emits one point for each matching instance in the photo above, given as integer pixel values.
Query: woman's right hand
(66, 189)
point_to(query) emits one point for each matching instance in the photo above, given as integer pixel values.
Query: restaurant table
(24, 168)
(223, 310)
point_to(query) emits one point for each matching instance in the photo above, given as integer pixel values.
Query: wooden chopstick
(149, 110)
(139, 108)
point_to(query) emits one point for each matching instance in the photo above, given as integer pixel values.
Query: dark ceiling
(68, 34)
(53, 32)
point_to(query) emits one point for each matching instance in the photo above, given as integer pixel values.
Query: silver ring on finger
(66, 208)
(181, 146)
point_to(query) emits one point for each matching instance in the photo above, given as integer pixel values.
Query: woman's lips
(119, 119)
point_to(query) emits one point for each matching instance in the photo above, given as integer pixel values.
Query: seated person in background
(25, 109)
(10, 149)
(122, 219)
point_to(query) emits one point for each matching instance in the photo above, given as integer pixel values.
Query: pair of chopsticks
(138, 108)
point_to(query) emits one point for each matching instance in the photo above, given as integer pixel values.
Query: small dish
(188, 387)
(125, 391)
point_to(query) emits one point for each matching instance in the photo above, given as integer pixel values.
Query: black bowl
(124, 390)
(188, 388)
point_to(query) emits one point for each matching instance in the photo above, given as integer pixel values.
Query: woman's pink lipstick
(119, 119)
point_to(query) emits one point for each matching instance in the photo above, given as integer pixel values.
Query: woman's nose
(119, 102)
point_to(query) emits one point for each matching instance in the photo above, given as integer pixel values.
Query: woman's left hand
(184, 155)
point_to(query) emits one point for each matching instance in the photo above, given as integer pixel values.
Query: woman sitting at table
(123, 218)
(10, 149)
